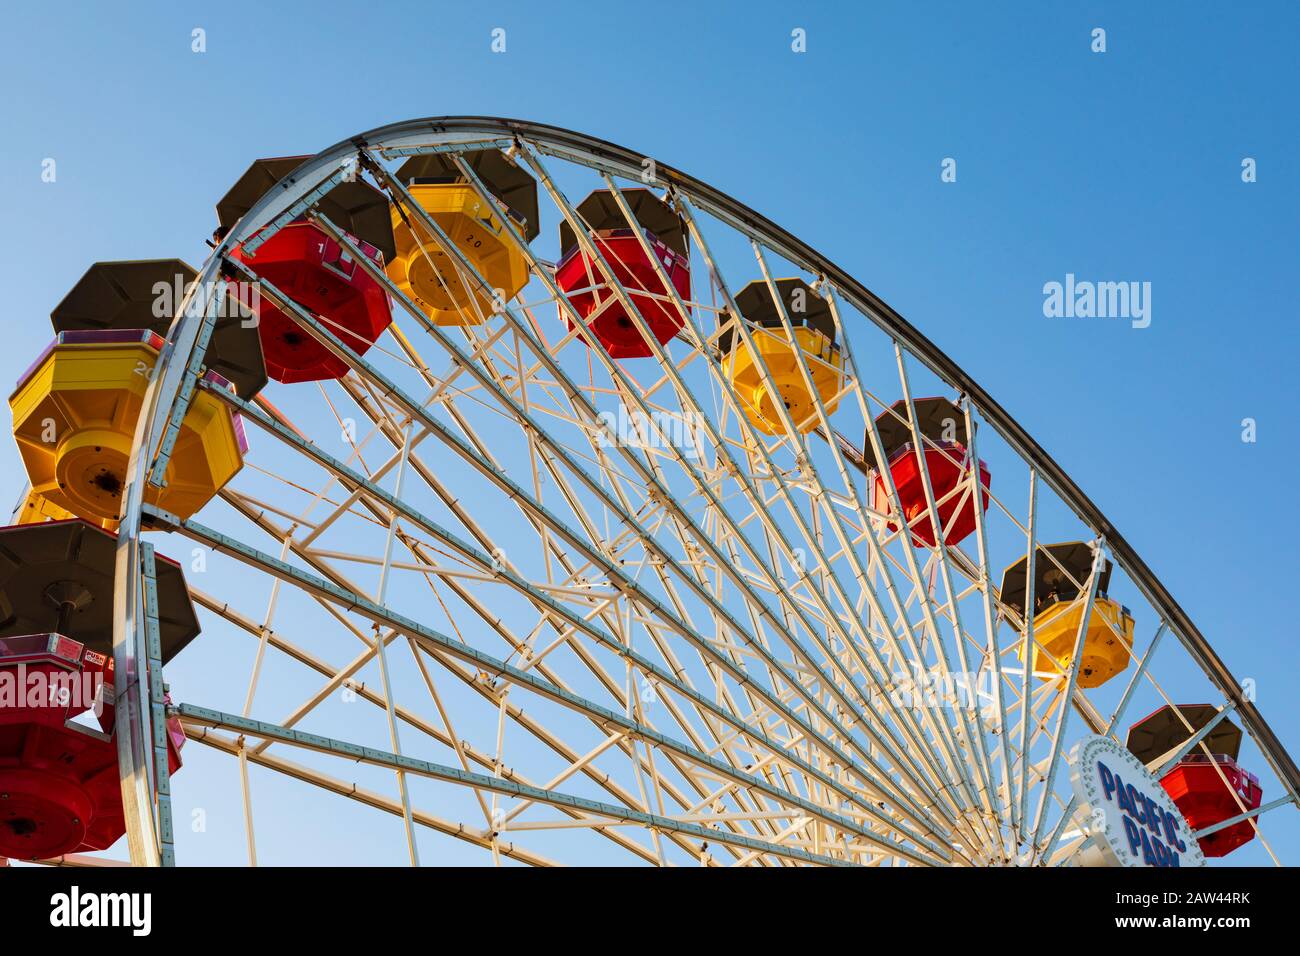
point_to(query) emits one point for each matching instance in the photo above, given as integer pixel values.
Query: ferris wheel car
(313, 270)
(56, 775)
(1060, 581)
(428, 273)
(943, 427)
(585, 286)
(814, 330)
(146, 294)
(74, 417)
(59, 776)
(1204, 797)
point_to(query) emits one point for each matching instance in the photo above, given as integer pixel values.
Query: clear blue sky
(1123, 165)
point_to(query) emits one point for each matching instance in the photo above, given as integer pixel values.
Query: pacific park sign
(1131, 819)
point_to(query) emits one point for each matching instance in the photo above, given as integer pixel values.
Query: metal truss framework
(699, 631)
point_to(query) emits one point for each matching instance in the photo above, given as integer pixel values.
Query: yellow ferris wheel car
(74, 418)
(814, 343)
(1060, 574)
(429, 274)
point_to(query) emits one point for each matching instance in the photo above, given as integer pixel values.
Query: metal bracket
(157, 705)
(193, 370)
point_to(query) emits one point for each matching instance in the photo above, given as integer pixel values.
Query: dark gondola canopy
(58, 577)
(124, 295)
(601, 213)
(938, 419)
(516, 190)
(803, 306)
(1162, 731)
(1051, 583)
(356, 207)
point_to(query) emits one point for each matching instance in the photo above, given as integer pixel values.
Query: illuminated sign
(1130, 817)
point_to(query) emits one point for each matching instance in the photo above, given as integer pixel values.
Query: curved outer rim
(567, 144)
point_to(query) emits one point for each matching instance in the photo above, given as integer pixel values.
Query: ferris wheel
(494, 492)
